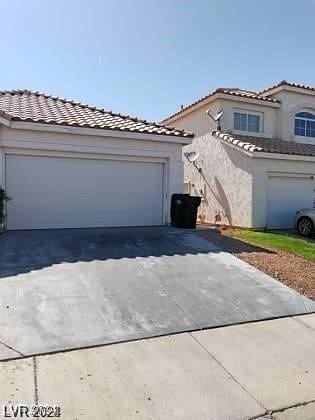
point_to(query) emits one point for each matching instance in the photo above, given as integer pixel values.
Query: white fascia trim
(99, 132)
(280, 156)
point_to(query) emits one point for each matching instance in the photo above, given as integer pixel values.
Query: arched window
(304, 124)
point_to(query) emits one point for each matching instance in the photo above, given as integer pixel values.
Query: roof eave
(222, 137)
(252, 151)
(283, 156)
(294, 89)
(74, 117)
(101, 132)
(237, 98)
(215, 96)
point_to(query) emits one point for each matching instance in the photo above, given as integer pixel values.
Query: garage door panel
(286, 195)
(52, 192)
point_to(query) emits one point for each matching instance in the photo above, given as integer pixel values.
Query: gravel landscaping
(292, 270)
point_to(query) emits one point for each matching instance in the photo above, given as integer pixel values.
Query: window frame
(244, 125)
(304, 125)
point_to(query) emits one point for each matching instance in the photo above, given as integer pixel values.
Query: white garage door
(286, 195)
(50, 192)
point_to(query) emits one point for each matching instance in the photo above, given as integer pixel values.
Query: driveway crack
(163, 288)
(180, 308)
(284, 409)
(12, 348)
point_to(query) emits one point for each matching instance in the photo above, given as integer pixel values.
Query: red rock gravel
(292, 270)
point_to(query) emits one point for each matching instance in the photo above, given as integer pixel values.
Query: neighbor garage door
(50, 192)
(286, 195)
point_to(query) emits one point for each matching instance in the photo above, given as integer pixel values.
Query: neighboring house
(258, 169)
(68, 165)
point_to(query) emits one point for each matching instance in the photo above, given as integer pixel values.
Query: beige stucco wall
(291, 103)
(232, 182)
(73, 145)
(224, 183)
(277, 122)
(199, 123)
(234, 185)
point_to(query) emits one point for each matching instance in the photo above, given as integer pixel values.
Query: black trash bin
(184, 210)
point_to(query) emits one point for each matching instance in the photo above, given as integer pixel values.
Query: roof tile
(286, 83)
(29, 106)
(267, 145)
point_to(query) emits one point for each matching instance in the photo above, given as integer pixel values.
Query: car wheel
(305, 226)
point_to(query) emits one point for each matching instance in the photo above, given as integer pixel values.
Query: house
(64, 164)
(256, 167)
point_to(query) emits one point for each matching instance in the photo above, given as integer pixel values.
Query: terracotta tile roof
(245, 94)
(29, 106)
(267, 145)
(227, 91)
(286, 83)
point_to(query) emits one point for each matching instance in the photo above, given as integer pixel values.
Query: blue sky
(146, 57)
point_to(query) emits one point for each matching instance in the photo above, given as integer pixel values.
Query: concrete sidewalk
(237, 372)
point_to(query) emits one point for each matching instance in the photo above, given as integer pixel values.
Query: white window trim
(303, 139)
(249, 111)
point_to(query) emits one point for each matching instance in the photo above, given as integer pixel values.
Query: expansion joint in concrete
(228, 372)
(35, 367)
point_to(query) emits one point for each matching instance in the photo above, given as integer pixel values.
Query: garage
(65, 164)
(287, 194)
(50, 192)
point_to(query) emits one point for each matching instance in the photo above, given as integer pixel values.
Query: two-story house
(255, 168)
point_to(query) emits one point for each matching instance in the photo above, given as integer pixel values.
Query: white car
(305, 222)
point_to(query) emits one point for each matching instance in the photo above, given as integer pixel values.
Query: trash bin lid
(194, 200)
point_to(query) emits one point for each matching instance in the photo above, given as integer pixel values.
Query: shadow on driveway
(24, 251)
(230, 244)
(69, 289)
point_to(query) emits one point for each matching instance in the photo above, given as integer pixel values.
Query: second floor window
(246, 122)
(304, 124)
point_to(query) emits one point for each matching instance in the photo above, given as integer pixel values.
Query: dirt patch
(294, 271)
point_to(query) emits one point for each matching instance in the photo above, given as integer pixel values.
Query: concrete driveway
(68, 289)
